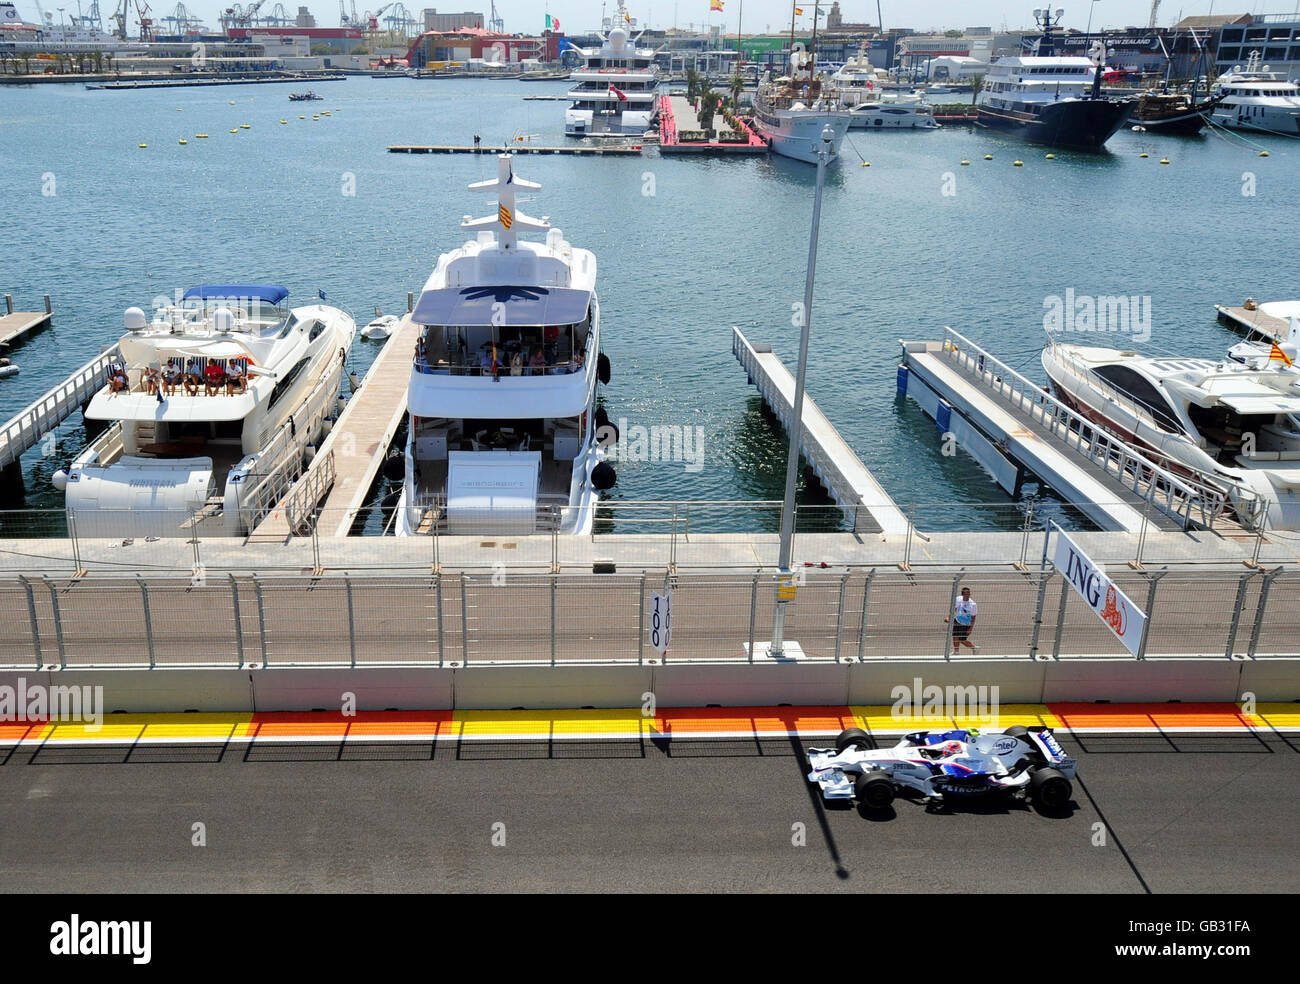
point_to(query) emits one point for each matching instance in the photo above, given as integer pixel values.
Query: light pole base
(763, 650)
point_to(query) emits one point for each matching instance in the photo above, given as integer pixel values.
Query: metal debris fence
(470, 619)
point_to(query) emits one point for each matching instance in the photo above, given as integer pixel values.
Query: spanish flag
(1276, 354)
(715, 5)
(798, 11)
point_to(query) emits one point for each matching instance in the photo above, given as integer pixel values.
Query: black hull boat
(1077, 124)
(1173, 115)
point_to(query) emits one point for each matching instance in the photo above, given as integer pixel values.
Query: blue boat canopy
(269, 293)
(471, 307)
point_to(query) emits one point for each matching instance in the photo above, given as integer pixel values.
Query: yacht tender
(503, 418)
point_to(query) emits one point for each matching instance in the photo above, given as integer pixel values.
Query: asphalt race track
(1177, 813)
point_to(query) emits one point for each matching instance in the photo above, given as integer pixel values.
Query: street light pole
(777, 646)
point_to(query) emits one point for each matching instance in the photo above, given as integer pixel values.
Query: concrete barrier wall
(680, 685)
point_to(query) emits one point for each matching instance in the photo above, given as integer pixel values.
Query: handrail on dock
(25, 429)
(1186, 499)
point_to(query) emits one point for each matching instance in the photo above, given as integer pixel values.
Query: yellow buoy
(1018, 163)
(965, 163)
(284, 121)
(337, 110)
(200, 136)
(179, 109)
(244, 126)
(236, 130)
(302, 117)
(143, 146)
(183, 140)
(1263, 153)
(1144, 154)
(1051, 157)
(232, 102)
(988, 157)
(866, 163)
(1164, 160)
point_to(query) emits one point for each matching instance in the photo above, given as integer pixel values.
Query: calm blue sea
(718, 243)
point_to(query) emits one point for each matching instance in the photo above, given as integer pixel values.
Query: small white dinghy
(7, 368)
(383, 326)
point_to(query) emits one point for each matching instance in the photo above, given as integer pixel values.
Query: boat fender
(602, 368)
(354, 380)
(309, 452)
(602, 418)
(293, 427)
(603, 476)
(327, 425)
(395, 467)
(60, 480)
(607, 435)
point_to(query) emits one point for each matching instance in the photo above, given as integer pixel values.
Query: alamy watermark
(656, 443)
(1129, 314)
(931, 702)
(38, 703)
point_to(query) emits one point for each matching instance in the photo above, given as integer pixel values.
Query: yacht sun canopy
(270, 293)
(522, 306)
(1261, 404)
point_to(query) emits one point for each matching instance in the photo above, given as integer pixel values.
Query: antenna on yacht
(508, 221)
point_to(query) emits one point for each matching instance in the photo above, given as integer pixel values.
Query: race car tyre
(1050, 789)
(854, 738)
(1017, 731)
(874, 790)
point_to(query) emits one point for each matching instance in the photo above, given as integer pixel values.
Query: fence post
(148, 619)
(464, 624)
(1236, 613)
(239, 622)
(1151, 611)
(640, 622)
(672, 547)
(35, 624)
(1024, 541)
(315, 545)
(1043, 577)
(753, 613)
(1060, 618)
(947, 625)
(839, 616)
(554, 578)
(352, 622)
(194, 540)
(862, 623)
(906, 565)
(58, 622)
(76, 545)
(437, 592)
(1142, 538)
(261, 618)
(1259, 612)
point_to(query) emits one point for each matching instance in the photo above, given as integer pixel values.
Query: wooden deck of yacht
(359, 440)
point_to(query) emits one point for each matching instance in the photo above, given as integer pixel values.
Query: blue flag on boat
(321, 294)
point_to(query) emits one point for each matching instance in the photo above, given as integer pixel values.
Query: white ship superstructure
(1258, 100)
(502, 437)
(615, 89)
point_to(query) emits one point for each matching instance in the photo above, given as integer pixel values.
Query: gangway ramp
(338, 480)
(853, 488)
(1009, 423)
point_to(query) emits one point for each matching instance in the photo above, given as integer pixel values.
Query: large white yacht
(862, 90)
(503, 427)
(791, 112)
(1051, 99)
(616, 88)
(1231, 424)
(182, 447)
(1258, 100)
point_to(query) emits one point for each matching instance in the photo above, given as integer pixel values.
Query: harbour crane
(495, 23)
(1155, 7)
(372, 20)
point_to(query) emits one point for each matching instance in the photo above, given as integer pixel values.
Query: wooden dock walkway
(615, 150)
(357, 444)
(15, 324)
(1256, 321)
(847, 479)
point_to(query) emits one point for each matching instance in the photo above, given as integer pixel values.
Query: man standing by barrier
(964, 612)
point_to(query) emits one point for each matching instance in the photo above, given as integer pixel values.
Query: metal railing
(25, 428)
(464, 620)
(1187, 499)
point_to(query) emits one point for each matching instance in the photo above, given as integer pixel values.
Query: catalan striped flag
(506, 219)
(1276, 354)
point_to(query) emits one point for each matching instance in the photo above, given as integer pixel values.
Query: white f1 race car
(942, 764)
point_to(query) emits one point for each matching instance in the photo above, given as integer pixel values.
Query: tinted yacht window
(1141, 391)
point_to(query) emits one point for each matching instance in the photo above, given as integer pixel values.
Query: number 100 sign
(661, 621)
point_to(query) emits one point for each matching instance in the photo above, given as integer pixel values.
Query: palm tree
(692, 85)
(976, 84)
(737, 87)
(709, 101)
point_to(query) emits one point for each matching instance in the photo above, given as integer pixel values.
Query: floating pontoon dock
(1013, 427)
(619, 150)
(1253, 322)
(15, 324)
(854, 488)
(677, 116)
(339, 477)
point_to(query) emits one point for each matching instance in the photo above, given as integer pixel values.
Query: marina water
(687, 248)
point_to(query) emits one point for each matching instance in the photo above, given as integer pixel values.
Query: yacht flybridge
(503, 427)
(616, 89)
(1258, 100)
(211, 413)
(1231, 424)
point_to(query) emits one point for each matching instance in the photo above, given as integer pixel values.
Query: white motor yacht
(211, 413)
(862, 90)
(615, 90)
(1233, 425)
(1258, 100)
(503, 418)
(791, 112)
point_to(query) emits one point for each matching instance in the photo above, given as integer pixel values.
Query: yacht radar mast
(508, 221)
